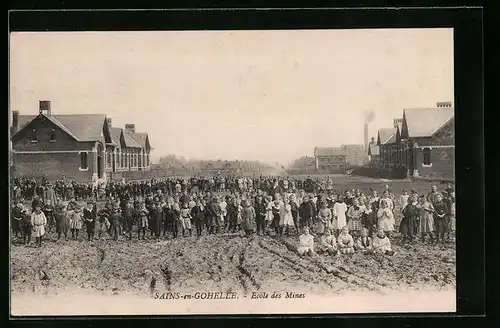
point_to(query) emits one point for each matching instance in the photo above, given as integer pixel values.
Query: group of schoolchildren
(343, 223)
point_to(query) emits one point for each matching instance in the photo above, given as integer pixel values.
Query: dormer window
(53, 136)
(34, 138)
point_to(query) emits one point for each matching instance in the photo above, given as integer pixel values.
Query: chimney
(15, 121)
(130, 127)
(441, 104)
(108, 120)
(366, 136)
(44, 106)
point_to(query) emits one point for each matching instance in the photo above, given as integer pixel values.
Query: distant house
(355, 155)
(328, 158)
(373, 153)
(428, 140)
(76, 146)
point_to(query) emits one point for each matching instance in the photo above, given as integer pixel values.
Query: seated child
(382, 244)
(345, 241)
(306, 243)
(364, 242)
(327, 243)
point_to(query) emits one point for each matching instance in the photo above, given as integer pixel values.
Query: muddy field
(226, 263)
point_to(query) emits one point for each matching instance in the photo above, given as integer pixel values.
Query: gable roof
(387, 135)
(373, 150)
(82, 127)
(141, 138)
(129, 140)
(424, 122)
(329, 151)
(115, 135)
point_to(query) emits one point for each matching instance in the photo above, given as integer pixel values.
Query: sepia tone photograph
(232, 172)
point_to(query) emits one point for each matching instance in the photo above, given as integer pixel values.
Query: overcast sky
(256, 95)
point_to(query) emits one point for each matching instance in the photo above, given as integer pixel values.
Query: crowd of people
(343, 222)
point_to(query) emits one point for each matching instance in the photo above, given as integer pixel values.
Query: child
(408, 226)
(441, 222)
(364, 242)
(385, 217)
(75, 221)
(339, 212)
(426, 219)
(382, 244)
(324, 218)
(48, 210)
(403, 199)
(197, 212)
(345, 241)
(142, 218)
(306, 244)
(248, 218)
(185, 219)
(38, 222)
(286, 218)
(354, 215)
(327, 243)
(89, 217)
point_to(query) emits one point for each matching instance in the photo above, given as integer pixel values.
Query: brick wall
(52, 166)
(443, 163)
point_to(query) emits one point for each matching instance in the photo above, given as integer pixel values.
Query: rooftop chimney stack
(130, 127)
(15, 121)
(44, 106)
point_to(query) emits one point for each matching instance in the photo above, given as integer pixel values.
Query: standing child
(248, 218)
(286, 218)
(339, 212)
(385, 217)
(426, 219)
(76, 221)
(38, 222)
(89, 216)
(186, 219)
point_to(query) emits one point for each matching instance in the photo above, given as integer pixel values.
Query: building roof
(129, 139)
(115, 134)
(424, 122)
(141, 138)
(374, 149)
(329, 151)
(83, 127)
(387, 135)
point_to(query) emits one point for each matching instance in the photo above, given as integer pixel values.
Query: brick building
(328, 158)
(428, 141)
(76, 146)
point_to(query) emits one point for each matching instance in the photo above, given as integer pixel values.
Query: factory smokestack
(369, 117)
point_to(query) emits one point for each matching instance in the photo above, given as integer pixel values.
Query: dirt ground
(228, 263)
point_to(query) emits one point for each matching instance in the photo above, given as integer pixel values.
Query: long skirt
(426, 223)
(408, 226)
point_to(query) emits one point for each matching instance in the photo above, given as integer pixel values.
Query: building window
(84, 163)
(53, 136)
(34, 138)
(427, 156)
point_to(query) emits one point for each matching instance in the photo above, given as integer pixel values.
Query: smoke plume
(369, 116)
